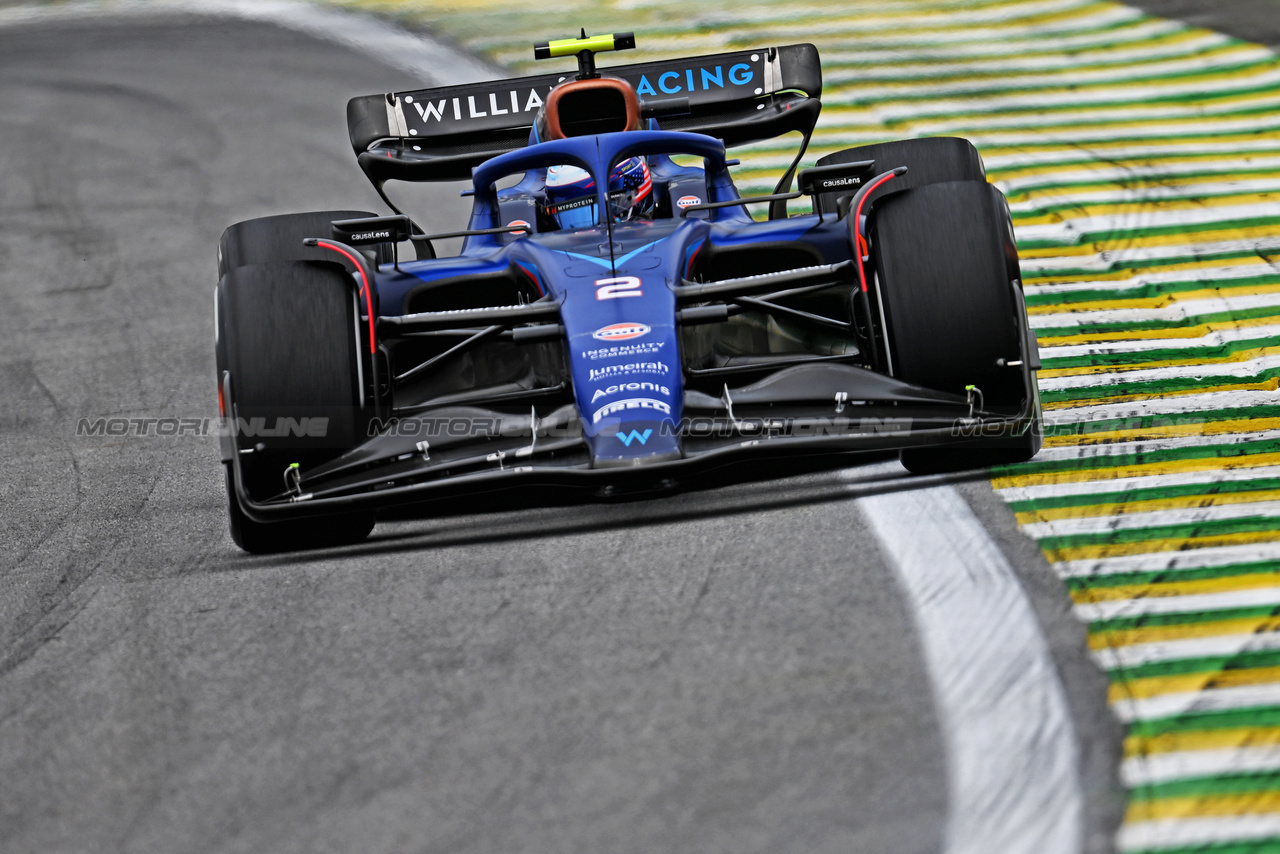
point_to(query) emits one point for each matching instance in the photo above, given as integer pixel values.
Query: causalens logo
(634, 436)
(621, 332)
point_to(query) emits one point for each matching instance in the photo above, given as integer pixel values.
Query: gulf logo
(687, 202)
(620, 332)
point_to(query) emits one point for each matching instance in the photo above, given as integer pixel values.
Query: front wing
(467, 450)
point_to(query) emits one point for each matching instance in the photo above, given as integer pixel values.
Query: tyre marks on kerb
(1011, 750)
(1151, 279)
(1142, 161)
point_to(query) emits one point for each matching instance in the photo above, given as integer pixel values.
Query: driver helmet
(571, 194)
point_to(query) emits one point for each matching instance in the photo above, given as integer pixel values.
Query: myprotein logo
(621, 332)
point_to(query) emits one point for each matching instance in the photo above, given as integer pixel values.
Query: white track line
(1067, 231)
(1184, 764)
(1116, 288)
(1185, 833)
(1138, 654)
(1152, 519)
(1093, 611)
(1178, 150)
(1083, 452)
(1238, 370)
(1137, 347)
(1013, 69)
(1175, 405)
(962, 123)
(1128, 484)
(1039, 204)
(1061, 181)
(1101, 41)
(1171, 561)
(1195, 702)
(1179, 310)
(1011, 747)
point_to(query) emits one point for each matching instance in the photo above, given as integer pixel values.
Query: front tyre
(945, 266)
(287, 334)
(293, 534)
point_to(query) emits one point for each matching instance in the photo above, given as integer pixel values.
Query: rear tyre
(288, 335)
(945, 262)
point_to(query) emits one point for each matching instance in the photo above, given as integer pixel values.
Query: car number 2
(622, 286)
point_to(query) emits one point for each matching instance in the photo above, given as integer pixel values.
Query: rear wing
(441, 134)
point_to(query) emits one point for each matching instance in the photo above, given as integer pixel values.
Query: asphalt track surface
(725, 670)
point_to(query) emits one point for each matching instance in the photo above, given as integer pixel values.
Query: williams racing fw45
(616, 320)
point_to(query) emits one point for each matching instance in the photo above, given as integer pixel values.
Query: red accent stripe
(689, 264)
(863, 249)
(537, 284)
(368, 292)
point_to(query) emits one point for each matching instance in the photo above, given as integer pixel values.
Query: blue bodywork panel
(614, 281)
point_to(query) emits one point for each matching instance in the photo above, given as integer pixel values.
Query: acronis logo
(634, 436)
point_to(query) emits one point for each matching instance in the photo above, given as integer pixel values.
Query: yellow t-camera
(585, 48)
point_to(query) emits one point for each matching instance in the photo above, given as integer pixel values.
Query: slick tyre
(287, 334)
(293, 534)
(273, 239)
(945, 261)
(930, 160)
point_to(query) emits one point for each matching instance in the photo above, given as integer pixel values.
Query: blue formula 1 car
(616, 319)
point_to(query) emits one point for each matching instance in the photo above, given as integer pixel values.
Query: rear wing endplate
(441, 134)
